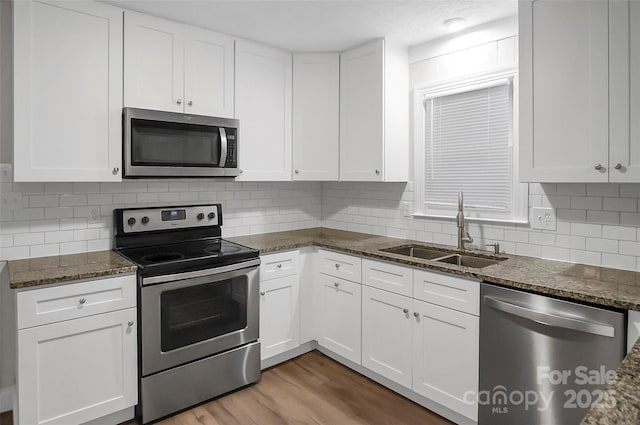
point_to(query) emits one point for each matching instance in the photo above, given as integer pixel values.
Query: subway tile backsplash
(66, 218)
(597, 224)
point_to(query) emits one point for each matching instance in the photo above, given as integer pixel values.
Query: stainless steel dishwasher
(543, 361)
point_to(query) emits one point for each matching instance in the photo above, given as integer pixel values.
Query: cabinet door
(386, 334)
(339, 316)
(78, 370)
(279, 315)
(362, 112)
(67, 91)
(263, 106)
(316, 104)
(564, 90)
(624, 66)
(208, 74)
(446, 357)
(153, 63)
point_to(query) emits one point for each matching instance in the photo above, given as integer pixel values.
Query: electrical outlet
(6, 173)
(11, 201)
(406, 209)
(94, 215)
(543, 218)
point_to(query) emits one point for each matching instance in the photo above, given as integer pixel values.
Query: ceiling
(323, 25)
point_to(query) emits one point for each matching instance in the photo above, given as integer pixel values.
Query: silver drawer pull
(416, 314)
(405, 310)
(262, 293)
(279, 266)
(82, 300)
(336, 284)
(130, 323)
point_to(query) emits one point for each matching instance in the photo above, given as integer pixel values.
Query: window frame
(520, 191)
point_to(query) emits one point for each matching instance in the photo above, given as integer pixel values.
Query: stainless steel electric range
(198, 301)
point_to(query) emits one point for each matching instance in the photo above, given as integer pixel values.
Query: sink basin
(469, 261)
(476, 261)
(417, 251)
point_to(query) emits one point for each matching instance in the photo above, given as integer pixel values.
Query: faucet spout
(463, 237)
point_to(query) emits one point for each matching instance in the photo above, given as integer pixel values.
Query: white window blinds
(468, 147)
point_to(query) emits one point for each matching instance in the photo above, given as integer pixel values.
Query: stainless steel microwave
(169, 144)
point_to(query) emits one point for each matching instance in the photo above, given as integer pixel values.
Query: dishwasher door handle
(552, 320)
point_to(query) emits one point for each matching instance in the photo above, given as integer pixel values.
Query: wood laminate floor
(311, 389)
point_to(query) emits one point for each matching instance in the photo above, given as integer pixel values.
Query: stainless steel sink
(417, 251)
(469, 261)
(472, 260)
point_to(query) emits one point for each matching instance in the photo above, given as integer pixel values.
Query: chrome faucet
(463, 237)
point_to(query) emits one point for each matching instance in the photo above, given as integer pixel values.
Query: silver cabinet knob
(115, 171)
(416, 314)
(405, 310)
(279, 266)
(262, 293)
(296, 171)
(130, 323)
(617, 166)
(336, 284)
(190, 103)
(179, 101)
(337, 266)
(598, 167)
(82, 300)
(377, 172)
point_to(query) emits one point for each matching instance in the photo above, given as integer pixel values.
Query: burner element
(162, 257)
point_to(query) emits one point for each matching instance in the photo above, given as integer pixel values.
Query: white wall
(597, 223)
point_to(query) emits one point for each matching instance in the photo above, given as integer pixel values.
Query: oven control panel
(163, 218)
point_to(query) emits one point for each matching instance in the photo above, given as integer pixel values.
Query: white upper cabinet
(624, 66)
(67, 91)
(316, 102)
(579, 69)
(374, 113)
(263, 106)
(177, 68)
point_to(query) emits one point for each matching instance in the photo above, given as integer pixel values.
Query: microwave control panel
(232, 148)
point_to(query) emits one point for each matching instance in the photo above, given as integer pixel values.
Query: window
(466, 141)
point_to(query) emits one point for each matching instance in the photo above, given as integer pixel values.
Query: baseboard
(288, 355)
(441, 410)
(6, 398)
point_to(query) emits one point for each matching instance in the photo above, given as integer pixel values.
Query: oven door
(202, 314)
(164, 144)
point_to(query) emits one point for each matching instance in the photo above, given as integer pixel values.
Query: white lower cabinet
(339, 316)
(279, 315)
(445, 356)
(77, 370)
(77, 351)
(386, 334)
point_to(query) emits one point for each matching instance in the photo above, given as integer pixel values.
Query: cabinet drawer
(390, 277)
(340, 265)
(447, 291)
(83, 298)
(279, 265)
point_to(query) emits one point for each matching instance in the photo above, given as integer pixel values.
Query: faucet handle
(496, 247)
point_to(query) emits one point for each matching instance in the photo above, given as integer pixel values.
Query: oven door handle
(223, 147)
(200, 273)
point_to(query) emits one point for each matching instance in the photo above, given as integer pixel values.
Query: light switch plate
(543, 218)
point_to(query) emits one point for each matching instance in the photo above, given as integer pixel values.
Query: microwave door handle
(223, 147)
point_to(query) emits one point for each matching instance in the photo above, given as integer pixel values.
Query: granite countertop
(609, 287)
(598, 285)
(63, 268)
